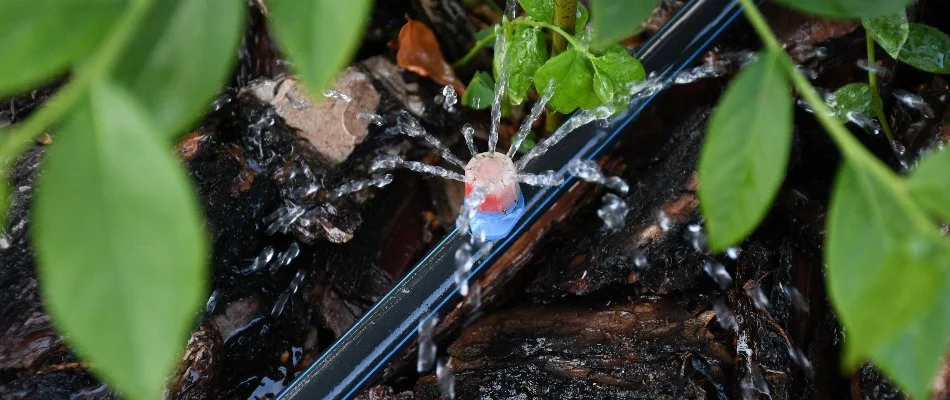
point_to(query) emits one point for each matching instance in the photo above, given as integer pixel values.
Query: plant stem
(471, 53)
(565, 17)
(877, 104)
(87, 74)
(567, 36)
(849, 146)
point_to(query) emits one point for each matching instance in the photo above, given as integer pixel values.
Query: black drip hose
(390, 326)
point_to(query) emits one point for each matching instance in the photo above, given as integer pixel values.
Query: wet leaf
(180, 57)
(319, 36)
(927, 49)
(419, 52)
(845, 9)
(580, 23)
(613, 74)
(929, 183)
(526, 52)
(480, 93)
(42, 38)
(889, 31)
(854, 97)
(572, 74)
(613, 20)
(888, 274)
(539, 10)
(119, 242)
(921, 46)
(746, 150)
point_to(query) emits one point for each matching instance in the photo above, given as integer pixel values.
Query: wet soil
(571, 311)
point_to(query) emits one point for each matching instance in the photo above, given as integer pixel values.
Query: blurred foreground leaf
(745, 154)
(42, 38)
(119, 242)
(179, 58)
(320, 36)
(612, 20)
(888, 276)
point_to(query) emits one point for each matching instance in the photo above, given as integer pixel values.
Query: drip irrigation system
(429, 288)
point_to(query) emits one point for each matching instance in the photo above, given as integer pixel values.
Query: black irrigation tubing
(429, 288)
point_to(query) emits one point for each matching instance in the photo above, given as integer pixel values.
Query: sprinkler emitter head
(495, 174)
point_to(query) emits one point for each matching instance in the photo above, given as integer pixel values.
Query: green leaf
(539, 10)
(918, 45)
(613, 74)
(887, 273)
(745, 155)
(613, 20)
(119, 242)
(527, 144)
(179, 58)
(572, 74)
(847, 9)
(853, 97)
(889, 31)
(929, 183)
(580, 22)
(926, 49)
(42, 38)
(319, 36)
(526, 51)
(480, 93)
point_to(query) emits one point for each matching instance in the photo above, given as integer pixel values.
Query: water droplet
(798, 356)
(759, 299)
(427, 348)
(337, 95)
(613, 212)
(212, 302)
(874, 68)
(446, 380)
(451, 98)
(718, 273)
(373, 118)
(916, 102)
(725, 316)
(664, 221)
(732, 252)
(795, 297)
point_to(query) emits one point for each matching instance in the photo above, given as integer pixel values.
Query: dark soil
(568, 312)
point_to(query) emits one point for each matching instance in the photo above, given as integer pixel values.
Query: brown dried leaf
(419, 52)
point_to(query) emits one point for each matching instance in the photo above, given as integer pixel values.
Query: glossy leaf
(580, 23)
(42, 38)
(927, 49)
(539, 10)
(853, 97)
(119, 242)
(612, 20)
(572, 74)
(887, 272)
(745, 154)
(526, 52)
(929, 183)
(921, 46)
(846, 9)
(180, 57)
(889, 31)
(613, 74)
(480, 92)
(320, 36)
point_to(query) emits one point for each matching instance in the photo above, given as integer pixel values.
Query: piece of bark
(197, 373)
(641, 349)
